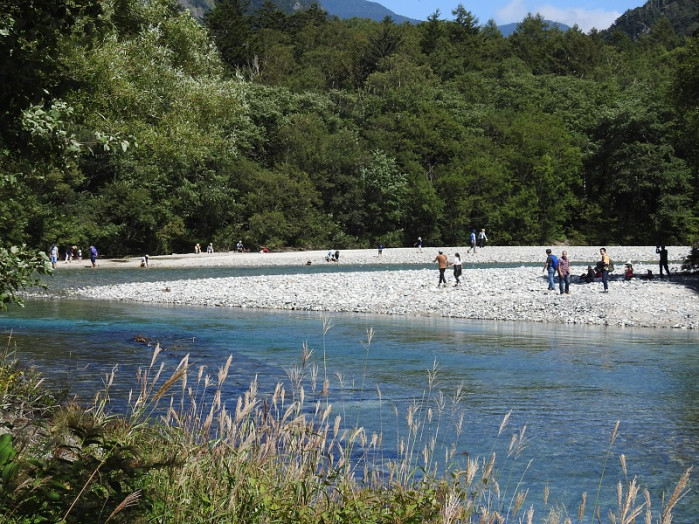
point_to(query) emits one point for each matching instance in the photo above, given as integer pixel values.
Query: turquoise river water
(568, 384)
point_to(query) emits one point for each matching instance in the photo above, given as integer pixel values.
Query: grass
(179, 453)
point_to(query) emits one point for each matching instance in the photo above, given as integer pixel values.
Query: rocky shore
(517, 292)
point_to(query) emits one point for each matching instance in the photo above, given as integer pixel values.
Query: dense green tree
(229, 26)
(385, 191)
(465, 24)
(30, 59)
(685, 97)
(645, 189)
(128, 124)
(433, 31)
(383, 42)
(535, 41)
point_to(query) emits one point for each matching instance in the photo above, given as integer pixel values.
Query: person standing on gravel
(551, 265)
(458, 268)
(443, 262)
(482, 238)
(604, 266)
(662, 263)
(564, 273)
(472, 241)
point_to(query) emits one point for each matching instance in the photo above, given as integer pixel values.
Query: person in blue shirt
(472, 239)
(551, 266)
(93, 256)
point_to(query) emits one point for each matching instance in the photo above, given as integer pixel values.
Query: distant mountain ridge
(683, 14)
(340, 8)
(363, 9)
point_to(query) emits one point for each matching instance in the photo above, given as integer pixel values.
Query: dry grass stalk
(519, 500)
(680, 491)
(503, 424)
(628, 513)
(649, 514)
(530, 515)
(168, 383)
(581, 507)
(130, 500)
(451, 509)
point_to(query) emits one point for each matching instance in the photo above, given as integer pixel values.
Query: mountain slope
(683, 16)
(362, 9)
(340, 8)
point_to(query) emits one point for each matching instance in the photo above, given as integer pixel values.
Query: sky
(587, 14)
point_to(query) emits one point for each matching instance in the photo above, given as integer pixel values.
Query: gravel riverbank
(513, 293)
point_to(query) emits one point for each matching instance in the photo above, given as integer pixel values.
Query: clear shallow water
(568, 385)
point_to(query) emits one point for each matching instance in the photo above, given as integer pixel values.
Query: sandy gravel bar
(513, 293)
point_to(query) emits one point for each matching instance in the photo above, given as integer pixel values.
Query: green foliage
(385, 194)
(30, 57)
(130, 125)
(20, 269)
(691, 263)
(8, 466)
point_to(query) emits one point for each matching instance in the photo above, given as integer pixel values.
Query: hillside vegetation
(132, 126)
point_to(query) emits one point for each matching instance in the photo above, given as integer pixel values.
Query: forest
(130, 125)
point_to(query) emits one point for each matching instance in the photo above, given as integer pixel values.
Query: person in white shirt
(482, 238)
(458, 268)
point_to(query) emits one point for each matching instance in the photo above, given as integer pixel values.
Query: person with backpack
(482, 238)
(551, 266)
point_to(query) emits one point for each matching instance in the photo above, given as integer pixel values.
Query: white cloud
(515, 11)
(586, 19)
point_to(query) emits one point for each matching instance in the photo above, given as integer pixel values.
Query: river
(568, 384)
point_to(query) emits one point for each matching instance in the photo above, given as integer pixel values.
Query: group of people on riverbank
(476, 240)
(71, 253)
(560, 267)
(443, 263)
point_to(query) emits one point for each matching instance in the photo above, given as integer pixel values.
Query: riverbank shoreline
(579, 255)
(509, 294)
